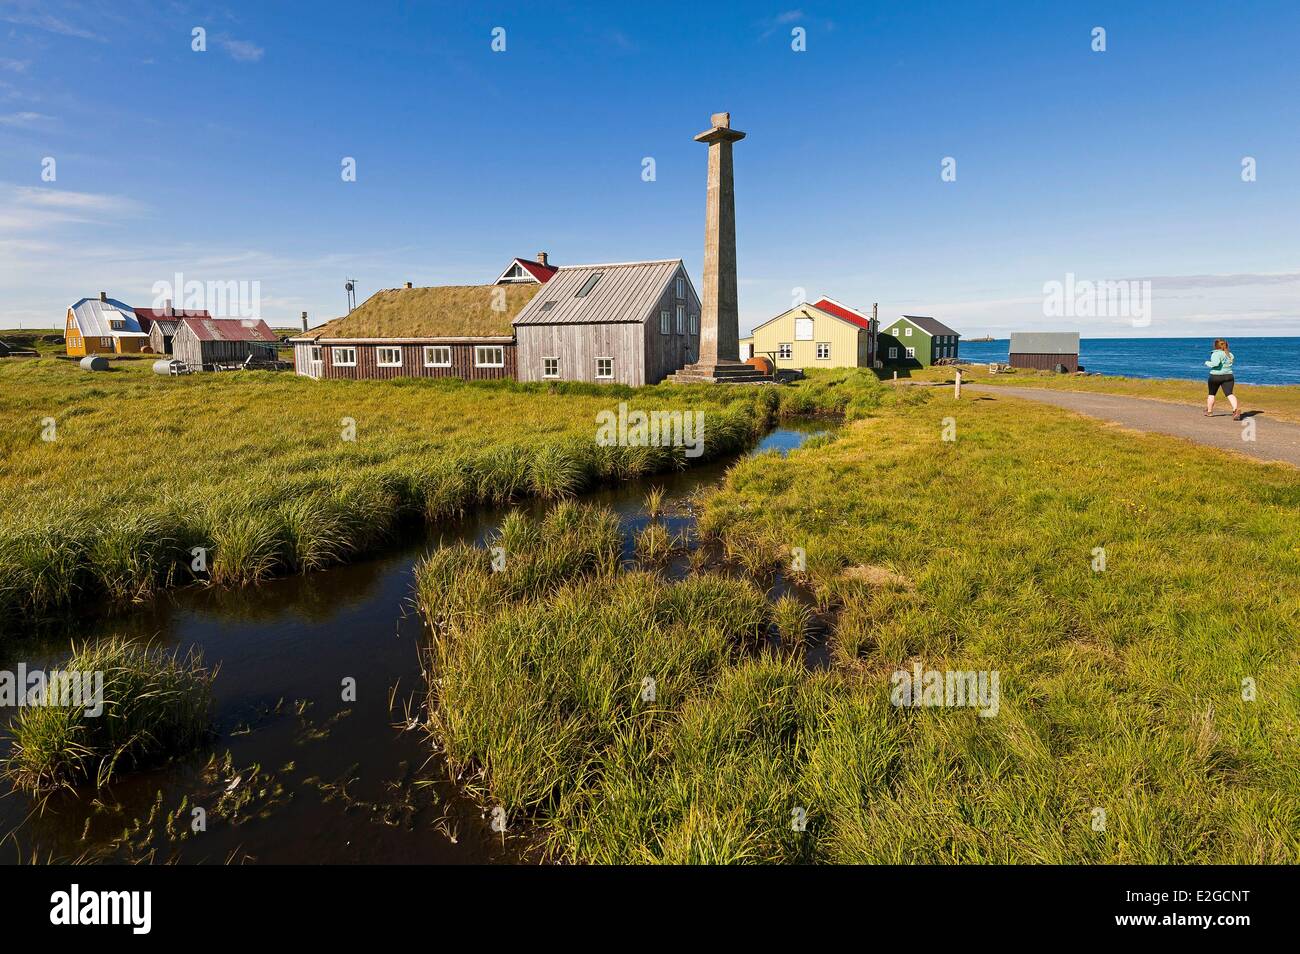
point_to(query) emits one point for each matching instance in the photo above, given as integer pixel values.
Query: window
(785, 351)
(604, 368)
(895, 332)
(489, 356)
(803, 329)
(681, 287)
(665, 327)
(824, 350)
(550, 367)
(588, 285)
(344, 356)
(390, 357)
(911, 352)
(893, 353)
(548, 305)
(106, 342)
(695, 323)
(681, 319)
(317, 354)
(907, 332)
(437, 356)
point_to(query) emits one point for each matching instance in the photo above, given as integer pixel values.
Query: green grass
(1121, 690)
(253, 468)
(1280, 401)
(155, 706)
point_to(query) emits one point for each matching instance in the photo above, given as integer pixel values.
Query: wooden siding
(187, 347)
(412, 366)
(578, 346)
(161, 343)
(641, 354)
(1045, 362)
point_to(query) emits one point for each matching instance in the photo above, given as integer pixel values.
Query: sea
(1257, 360)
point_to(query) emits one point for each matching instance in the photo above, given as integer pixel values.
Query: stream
(295, 774)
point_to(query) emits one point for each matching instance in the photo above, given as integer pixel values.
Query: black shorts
(1217, 382)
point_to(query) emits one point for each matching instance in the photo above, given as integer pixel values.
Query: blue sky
(225, 165)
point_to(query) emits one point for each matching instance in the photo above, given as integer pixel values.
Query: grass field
(1277, 401)
(110, 480)
(1139, 608)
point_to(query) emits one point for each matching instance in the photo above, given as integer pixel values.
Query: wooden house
(825, 334)
(160, 325)
(915, 341)
(102, 325)
(526, 271)
(632, 323)
(1045, 350)
(208, 344)
(460, 331)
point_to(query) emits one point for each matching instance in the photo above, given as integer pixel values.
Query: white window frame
(681, 318)
(551, 375)
(896, 330)
(316, 355)
(379, 356)
(893, 353)
(665, 322)
(803, 329)
(478, 356)
(826, 347)
(907, 332)
(431, 356)
(911, 352)
(695, 323)
(339, 355)
(681, 287)
(605, 377)
(785, 351)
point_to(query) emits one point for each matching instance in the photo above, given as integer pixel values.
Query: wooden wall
(368, 367)
(578, 347)
(196, 353)
(1045, 362)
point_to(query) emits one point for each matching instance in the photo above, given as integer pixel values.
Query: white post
(956, 388)
(895, 375)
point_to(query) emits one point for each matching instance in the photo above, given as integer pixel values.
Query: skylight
(588, 285)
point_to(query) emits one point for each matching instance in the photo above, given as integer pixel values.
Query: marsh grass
(252, 467)
(156, 706)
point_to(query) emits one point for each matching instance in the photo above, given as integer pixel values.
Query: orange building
(103, 325)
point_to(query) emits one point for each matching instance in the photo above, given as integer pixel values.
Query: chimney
(408, 284)
(167, 308)
(103, 296)
(541, 258)
(304, 321)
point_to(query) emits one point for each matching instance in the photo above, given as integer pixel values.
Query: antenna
(351, 286)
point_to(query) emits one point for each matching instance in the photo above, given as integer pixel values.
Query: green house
(915, 341)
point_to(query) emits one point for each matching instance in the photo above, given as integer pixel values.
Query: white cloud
(14, 66)
(48, 22)
(25, 119)
(242, 51)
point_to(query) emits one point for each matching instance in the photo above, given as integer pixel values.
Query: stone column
(720, 315)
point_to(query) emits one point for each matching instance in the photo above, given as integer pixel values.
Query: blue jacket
(1220, 362)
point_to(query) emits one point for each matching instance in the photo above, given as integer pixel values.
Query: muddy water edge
(295, 774)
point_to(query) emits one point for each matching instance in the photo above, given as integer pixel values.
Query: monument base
(721, 372)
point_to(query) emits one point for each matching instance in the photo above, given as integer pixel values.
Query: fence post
(956, 388)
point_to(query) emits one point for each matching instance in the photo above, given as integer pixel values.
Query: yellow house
(103, 325)
(824, 335)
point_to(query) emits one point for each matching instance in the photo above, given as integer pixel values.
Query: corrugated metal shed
(94, 317)
(147, 316)
(230, 329)
(624, 292)
(1045, 342)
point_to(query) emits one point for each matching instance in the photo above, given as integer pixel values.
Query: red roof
(147, 316)
(843, 311)
(539, 271)
(229, 329)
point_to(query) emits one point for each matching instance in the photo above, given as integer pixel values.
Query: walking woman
(1220, 365)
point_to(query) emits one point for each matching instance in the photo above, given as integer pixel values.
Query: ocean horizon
(1258, 360)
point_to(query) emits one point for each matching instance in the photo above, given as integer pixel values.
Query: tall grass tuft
(156, 705)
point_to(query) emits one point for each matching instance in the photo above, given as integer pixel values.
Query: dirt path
(1273, 440)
